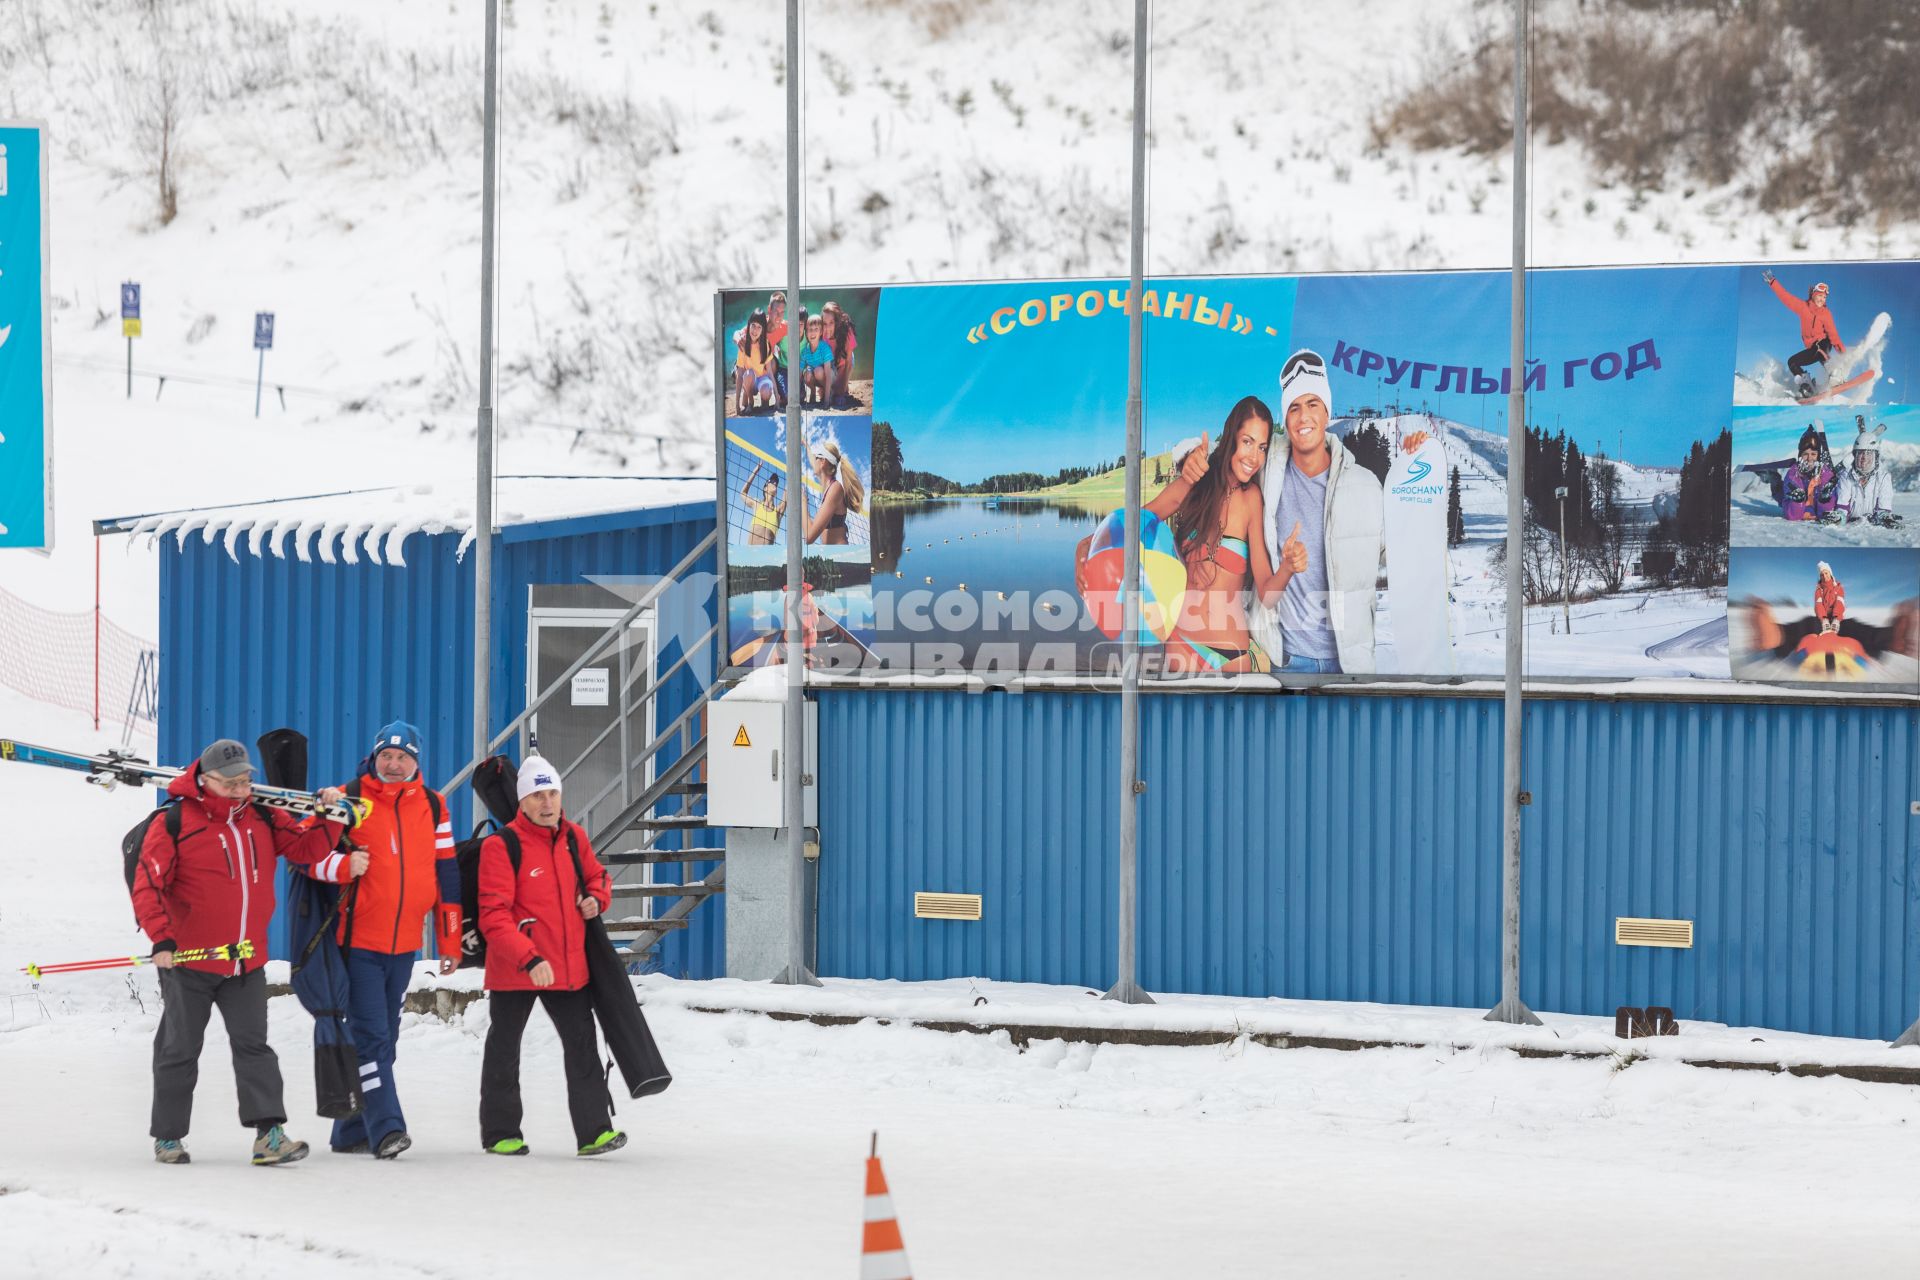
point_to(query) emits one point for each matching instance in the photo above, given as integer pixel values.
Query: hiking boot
(392, 1145)
(611, 1140)
(275, 1147)
(508, 1147)
(170, 1151)
(352, 1149)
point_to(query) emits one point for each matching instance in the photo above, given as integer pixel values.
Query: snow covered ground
(1062, 1160)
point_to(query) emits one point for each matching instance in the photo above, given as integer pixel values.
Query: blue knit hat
(398, 734)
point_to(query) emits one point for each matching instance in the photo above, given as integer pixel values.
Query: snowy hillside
(325, 160)
(1481, 458)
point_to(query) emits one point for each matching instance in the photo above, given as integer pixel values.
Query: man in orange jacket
(411, 872)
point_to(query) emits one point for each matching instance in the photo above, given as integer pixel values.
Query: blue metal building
(334, 614)
(1333, 844)
(1345, 846)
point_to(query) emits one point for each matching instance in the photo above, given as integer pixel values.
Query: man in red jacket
(413, 873)
(539, 885)
(206, 883)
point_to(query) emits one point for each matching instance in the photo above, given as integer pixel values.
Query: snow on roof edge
(346, 525)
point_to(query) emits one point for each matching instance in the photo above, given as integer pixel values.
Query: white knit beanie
(537, 775)
(1304, 374)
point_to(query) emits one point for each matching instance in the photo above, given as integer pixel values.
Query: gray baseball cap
(227, 759)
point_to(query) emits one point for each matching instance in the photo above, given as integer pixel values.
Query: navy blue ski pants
(377, 987)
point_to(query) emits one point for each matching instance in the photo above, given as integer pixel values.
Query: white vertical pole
(484, 442)
(793, 745)
(1511, 1008)
(1126, 988)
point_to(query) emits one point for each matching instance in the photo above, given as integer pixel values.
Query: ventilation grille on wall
(1631, 932)
(947, 906)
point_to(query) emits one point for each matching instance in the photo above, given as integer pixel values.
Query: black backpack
(136, 837)
(473, 943)
(493, 783)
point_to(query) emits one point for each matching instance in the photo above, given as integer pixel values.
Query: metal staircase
(663, 827)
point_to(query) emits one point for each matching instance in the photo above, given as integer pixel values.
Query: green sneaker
(275, 1147)
(611, 1140)
(509, 1147)
(170, 1151)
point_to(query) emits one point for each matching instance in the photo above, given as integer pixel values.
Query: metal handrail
(646, 697)
(614, 631)
(633, 811)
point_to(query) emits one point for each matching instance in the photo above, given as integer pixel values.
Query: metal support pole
(793, 746)
(484, 435)
(96, 625)
(256, 412)
(1510, 1008)
(1127, 989)
(259, 381)
(1566, 580)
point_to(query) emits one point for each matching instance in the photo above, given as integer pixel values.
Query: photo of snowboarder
(1822, 333)
(1841, 615)
(1824, 476)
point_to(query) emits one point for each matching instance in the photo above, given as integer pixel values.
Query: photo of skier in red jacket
(203, 882)
(1829, 600)
(1819, 337)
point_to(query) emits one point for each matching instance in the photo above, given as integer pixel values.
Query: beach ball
(1163, 577)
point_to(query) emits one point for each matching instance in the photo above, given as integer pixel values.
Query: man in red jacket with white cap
(205, 880)
(539, 885)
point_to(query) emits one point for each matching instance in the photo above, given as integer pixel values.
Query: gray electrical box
(746, 764)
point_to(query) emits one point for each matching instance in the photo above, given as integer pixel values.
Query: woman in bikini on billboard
(1217, 525)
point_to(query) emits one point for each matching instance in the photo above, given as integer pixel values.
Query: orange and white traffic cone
(883, 1254)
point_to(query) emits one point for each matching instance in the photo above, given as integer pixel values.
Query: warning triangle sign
(740, 739)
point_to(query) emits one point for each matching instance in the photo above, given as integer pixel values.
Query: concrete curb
(1024, 1034)
(444, 1003)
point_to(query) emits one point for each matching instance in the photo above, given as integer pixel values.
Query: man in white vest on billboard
(1324, 520)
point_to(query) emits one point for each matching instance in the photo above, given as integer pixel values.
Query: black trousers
(190, 998)
(587, 1100)
(1815, 354)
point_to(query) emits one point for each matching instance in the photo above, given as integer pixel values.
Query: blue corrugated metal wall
(1345, 847)
(336, 650)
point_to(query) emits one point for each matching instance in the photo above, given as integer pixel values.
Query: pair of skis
(115, 768)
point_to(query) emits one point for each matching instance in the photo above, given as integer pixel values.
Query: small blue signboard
(263, 331)
(26, 348)
(130, 301)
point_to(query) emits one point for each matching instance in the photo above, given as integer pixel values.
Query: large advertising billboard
(1722, 481)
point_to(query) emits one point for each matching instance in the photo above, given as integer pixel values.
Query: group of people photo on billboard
(834, 384)
(1324, 477)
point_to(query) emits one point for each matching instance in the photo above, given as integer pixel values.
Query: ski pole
(242, 949)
